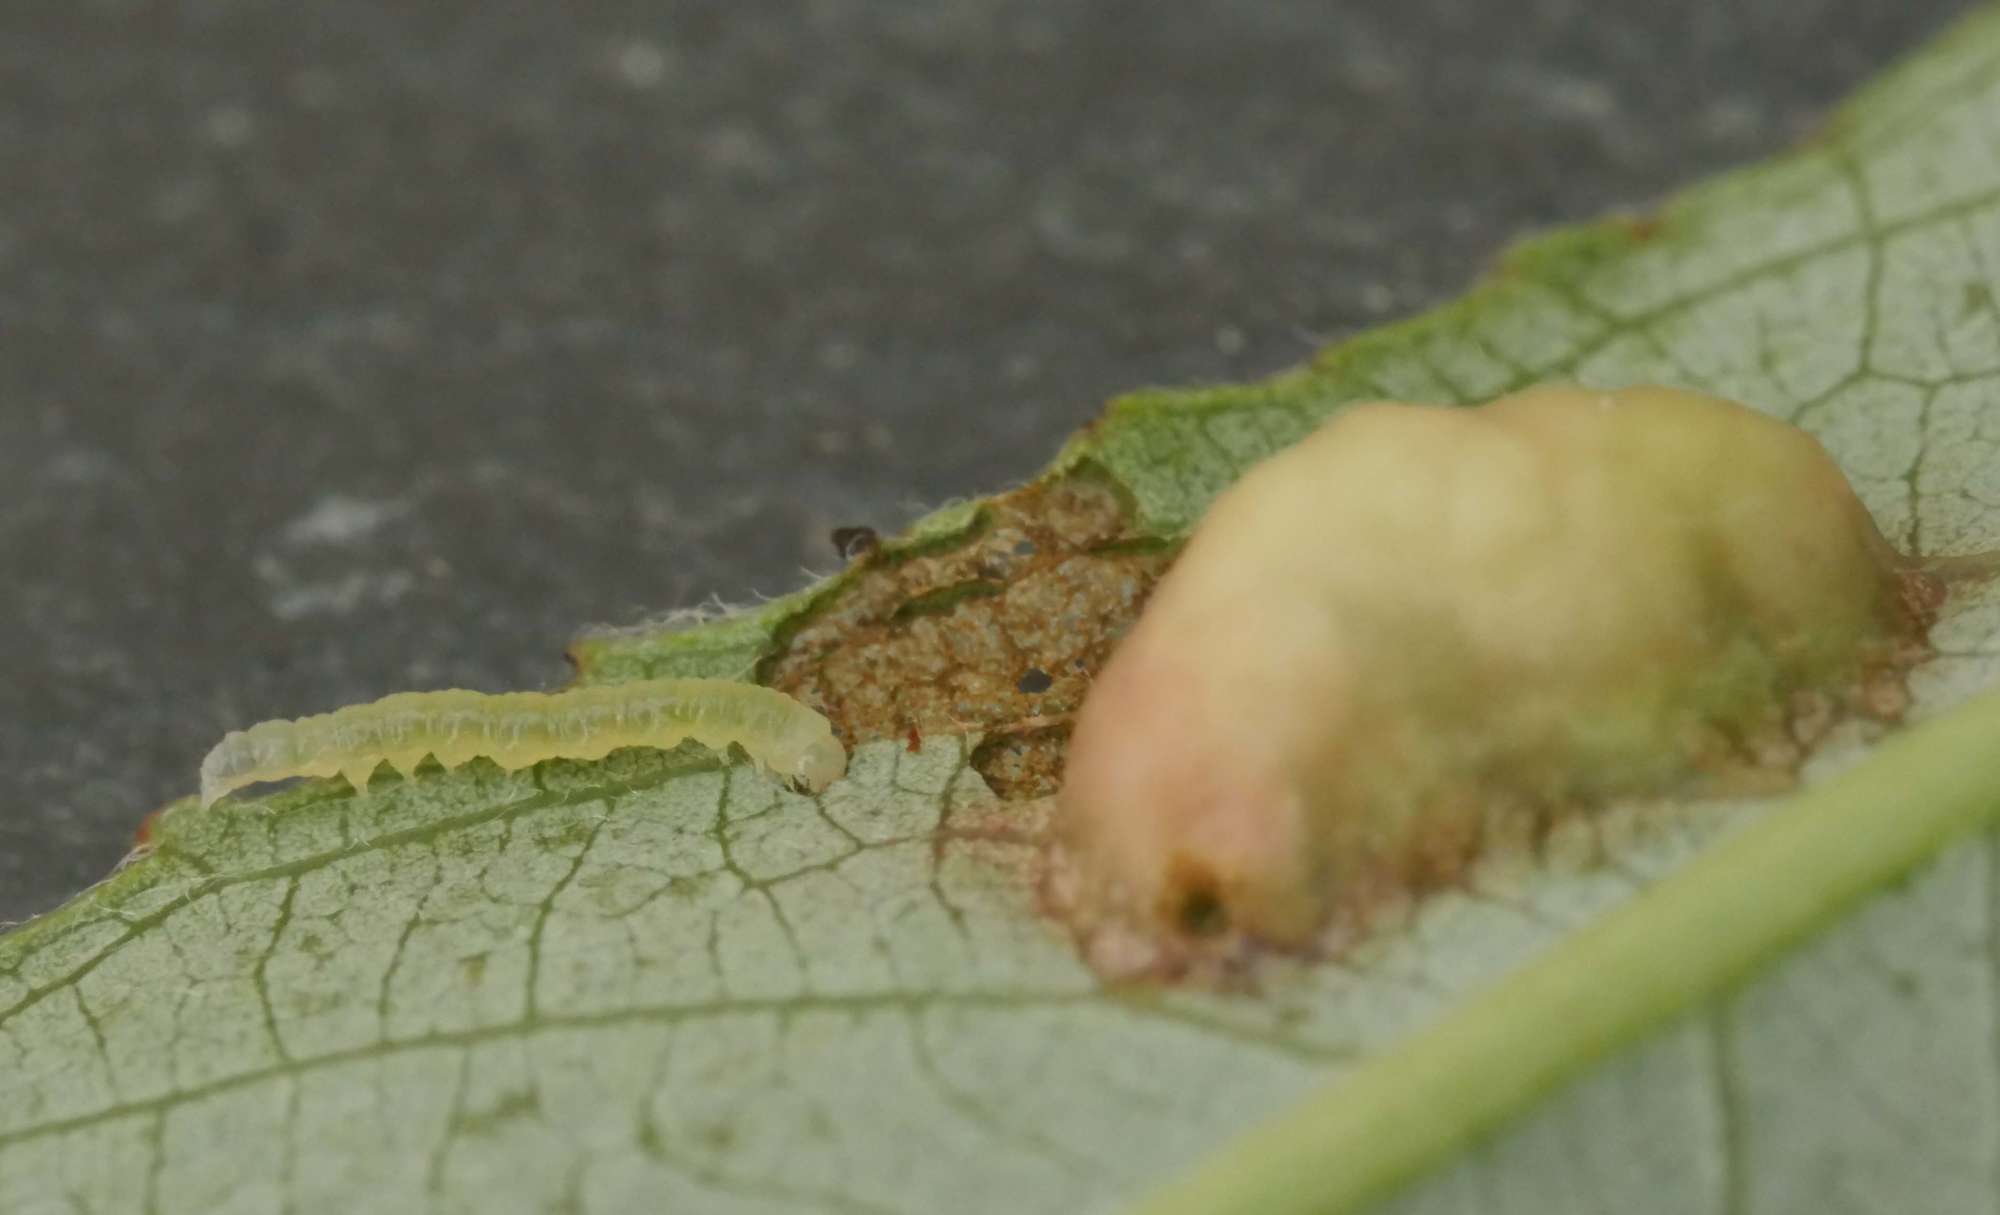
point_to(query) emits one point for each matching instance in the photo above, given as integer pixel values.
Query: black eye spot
(1034, 681)
(1202, 913)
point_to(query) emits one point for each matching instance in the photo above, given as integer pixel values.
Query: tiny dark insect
(856, 541)
(1034, 681)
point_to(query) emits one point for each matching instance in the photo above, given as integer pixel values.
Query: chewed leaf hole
(997, 630)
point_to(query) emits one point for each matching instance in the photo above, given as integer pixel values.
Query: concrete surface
(357, 347)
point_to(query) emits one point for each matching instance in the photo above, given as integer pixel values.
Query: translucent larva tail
(226, 767)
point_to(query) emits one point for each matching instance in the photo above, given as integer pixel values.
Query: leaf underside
(662, 981)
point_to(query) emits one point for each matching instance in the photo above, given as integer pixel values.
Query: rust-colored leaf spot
(143, 836)
(1642, 228)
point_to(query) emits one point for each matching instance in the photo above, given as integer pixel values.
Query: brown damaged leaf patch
(1001, 632)
(1023, 762)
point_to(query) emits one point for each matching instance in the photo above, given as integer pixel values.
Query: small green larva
(1420, 615)
(519, 729)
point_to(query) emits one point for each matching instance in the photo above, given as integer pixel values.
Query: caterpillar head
(820, 763)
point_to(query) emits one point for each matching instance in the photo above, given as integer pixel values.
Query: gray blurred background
(372, 345)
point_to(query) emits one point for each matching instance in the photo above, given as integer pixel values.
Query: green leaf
(1696, 1105)
(663, 982)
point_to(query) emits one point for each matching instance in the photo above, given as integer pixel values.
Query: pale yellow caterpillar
(519, 729)
(1421, 615)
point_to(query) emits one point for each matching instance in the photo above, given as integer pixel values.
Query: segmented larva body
(519, 729)
(1420, 615)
